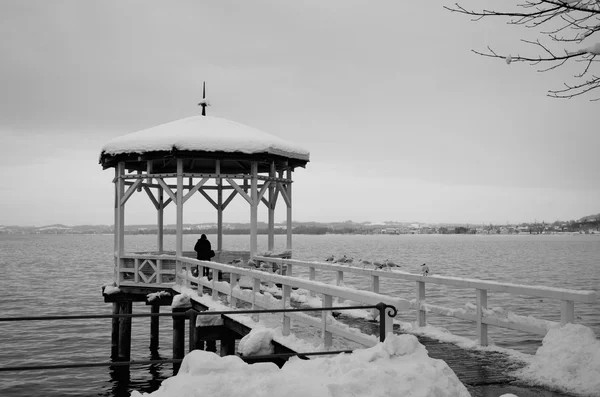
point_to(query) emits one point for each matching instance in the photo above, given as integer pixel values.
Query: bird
(251, 263)
(425, 269)
(349, 260)
(365, 263)
(236, 262)
(330, 258)
(378, 265)
(389, 264)
(340, 260)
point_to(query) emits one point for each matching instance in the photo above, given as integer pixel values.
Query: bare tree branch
(565, 22)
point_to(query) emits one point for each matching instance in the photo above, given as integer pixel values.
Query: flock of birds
(378, 265)
(252, 264)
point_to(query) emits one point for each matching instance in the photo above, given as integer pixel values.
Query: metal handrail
(178, 314)
(382, 307)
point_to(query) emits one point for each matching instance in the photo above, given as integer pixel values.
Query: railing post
(233, 281)
(188, 270)
(285, 298)
(255, 291)
(374, 288)
(288, 269)
(385, 325)
(311, 277)
(421, 319)
(178, 272)
(327, 336)
(339, 280)
(136, 268)
(567, 312)
(159, 271)
(215, 278)
(482, 329)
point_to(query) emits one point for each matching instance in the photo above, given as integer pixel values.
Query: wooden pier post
(178, 336)
(114, 336)
(192, 330)
(227, 346)
(124, 348)
(154, 309)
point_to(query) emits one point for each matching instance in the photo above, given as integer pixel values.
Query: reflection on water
(63, 274)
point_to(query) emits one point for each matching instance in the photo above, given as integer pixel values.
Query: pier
(173, 162)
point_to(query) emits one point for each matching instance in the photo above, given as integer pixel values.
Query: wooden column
(124, 349)
(271, 241)
(154, 322)
(160, 220)
(179, 226)
(119, 219)
(219, 207)
(288, 244)
(254, 210)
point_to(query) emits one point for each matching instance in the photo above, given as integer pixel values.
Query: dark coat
(204, 250)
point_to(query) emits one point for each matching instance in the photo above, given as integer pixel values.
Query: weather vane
(204, 102)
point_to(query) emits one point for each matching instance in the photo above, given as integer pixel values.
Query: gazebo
(173, 161)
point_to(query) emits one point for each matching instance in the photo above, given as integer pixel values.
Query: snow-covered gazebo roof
(203, 137)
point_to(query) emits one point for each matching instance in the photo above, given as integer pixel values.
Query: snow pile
(399, 366)
(181, 301)
(111, 289)
(257, 342)
(157, 295)
(569, 360)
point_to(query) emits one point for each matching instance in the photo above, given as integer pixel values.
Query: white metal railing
(481, 315)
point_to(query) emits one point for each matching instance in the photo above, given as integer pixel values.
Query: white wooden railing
(482, 316)
(180, 269)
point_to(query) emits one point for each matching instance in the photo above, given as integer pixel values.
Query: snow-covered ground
(399, 366)
(568, 360)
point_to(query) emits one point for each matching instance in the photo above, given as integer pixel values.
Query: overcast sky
(402, 120)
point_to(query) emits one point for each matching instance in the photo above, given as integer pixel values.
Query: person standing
(204, 251)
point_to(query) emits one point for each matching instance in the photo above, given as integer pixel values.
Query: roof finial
(204, 102)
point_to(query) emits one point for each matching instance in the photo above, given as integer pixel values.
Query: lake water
(63, 274)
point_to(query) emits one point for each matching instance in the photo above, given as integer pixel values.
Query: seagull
(365, 263)
(340, 260)
(424, 269)
(389, 264)
(329, 259)
(378, 265)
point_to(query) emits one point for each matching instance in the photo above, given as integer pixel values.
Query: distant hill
(590, 218)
